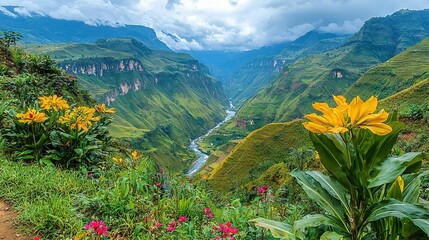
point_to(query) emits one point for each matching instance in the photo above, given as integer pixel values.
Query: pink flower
(98, 227)
(227, 230)
(172, 226)
(182, 219)
(262, 189)
(157, 224)
(208, 212)
(90, 175)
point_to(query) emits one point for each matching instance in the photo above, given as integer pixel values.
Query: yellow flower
(102, 109)
(31, 116)
(362, 116)
(400, 183)
(332, 120)
(343, 117)
(134, 154)
(117, 159)
(80, 118)
(54, 102)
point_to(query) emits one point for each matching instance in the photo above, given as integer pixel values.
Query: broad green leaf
(394, 208)
(332, 155)
(381, 147)
(278, 229)
(316, 220)
(317, 193)
(392, 167)
(333, 187)
(41, 140)
(412, 188)
(333, 236)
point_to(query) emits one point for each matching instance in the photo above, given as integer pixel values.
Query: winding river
(202, 157)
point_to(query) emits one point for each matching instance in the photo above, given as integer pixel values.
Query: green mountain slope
(397, 74)
(258, 72)
(275, 143)
(162, 98)
(316, 78)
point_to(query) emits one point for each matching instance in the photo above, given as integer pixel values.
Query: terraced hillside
(317, 77)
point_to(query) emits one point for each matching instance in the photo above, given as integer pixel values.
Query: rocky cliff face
(98, 67)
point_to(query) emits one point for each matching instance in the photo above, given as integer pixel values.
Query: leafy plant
(368, 195)
(52, 132)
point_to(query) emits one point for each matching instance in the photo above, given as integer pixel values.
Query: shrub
(50, 131)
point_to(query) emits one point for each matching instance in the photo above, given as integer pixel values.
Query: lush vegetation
(58, 172)
(162, 99)
(369, 194)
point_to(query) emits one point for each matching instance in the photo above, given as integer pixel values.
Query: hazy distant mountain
(42, 29)
(243, 74)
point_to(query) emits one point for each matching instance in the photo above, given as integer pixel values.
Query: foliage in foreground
(368, 194)
(134, 200)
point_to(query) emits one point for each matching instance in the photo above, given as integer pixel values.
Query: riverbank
(202, 157)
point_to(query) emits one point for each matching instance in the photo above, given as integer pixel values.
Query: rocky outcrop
(100, 66)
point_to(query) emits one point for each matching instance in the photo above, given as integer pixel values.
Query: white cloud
(224, 24)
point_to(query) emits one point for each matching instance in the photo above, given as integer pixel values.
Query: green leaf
(332, 152)
(316, 220)
(419, 216)
(333, 187)
(412, 188)
(278, 229)
(41, 140)
(333, 236)
(393, 167)
(381, 147)
(317, 193)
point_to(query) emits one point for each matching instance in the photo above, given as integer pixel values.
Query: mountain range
(38, 28)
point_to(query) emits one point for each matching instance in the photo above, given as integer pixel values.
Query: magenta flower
(157, 224)
(98, 227)
(227, 230)
(182, 219)
(208, 213)
(262, 189)
(172, 226)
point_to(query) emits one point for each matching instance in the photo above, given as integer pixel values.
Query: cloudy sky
(224, 24)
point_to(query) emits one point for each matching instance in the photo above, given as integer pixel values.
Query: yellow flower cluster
(345, 116)
(31, 116)
(79, 117)
(102, 109)
(54, 102)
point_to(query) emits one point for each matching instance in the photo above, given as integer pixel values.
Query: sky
(223, 24)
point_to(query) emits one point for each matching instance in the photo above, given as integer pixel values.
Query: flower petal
(316, 128)
(380, 129)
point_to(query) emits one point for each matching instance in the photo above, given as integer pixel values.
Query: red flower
(158, 184)
(182, 219)
(157, 224)
(37, 238)
(98, 227)
(262, 189)
(208, 212)
(226, 229)
(172, 226)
